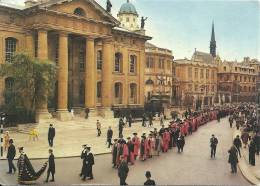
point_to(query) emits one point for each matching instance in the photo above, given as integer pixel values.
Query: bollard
(2, 140)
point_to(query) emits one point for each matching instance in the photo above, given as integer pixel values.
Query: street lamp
(161, 82)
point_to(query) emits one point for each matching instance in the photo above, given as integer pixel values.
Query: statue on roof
(143, 22)
(109, 6)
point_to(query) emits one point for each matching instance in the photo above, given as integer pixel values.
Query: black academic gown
(89, 161)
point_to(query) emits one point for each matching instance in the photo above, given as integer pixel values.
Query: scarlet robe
(166, 140)
(143, 149)
(136, 142)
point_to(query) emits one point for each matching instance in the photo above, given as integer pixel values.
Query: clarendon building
(100, 61)
(158, 75)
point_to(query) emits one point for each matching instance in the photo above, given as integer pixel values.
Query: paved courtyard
(193, 167)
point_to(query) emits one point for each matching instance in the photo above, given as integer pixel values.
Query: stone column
(30, 44)
(126, 78)
(141, 62)
(62, 111)
(90, 76)
(42, 109)
(2, 49)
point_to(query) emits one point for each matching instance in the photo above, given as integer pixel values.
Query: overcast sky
(183, 25)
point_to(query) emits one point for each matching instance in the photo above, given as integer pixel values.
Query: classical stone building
(237, 81)
(100, 64)
(158, 74)
(195, 80)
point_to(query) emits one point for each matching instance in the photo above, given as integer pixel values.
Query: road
(193, 167)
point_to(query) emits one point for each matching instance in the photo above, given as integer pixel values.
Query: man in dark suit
(109, 136)
(89, 161)
(213, 145)
(123, 171)
(10, 156)
(51, 135)
(51, 168)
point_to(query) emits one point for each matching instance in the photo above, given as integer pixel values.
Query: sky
(183, 25)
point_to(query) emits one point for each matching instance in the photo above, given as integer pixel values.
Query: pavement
(192, 167)
(70, 136)
(251, 173)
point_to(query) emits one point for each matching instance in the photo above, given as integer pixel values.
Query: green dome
(128, 8)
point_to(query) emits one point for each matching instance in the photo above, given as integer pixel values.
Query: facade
(195, 81)
(236, 82)
(158, 74)
(100, 65)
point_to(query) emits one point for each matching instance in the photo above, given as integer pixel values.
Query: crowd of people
(126, 151)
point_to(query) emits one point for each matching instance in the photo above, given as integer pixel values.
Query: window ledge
(118, 73)
(132, 74)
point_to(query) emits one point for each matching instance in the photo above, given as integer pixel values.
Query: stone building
(236, 81)
(195, 81)
(100, 64)
(158, 74)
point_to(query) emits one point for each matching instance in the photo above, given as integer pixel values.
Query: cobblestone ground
(194, 166)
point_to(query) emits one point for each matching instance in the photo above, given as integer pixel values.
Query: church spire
(213, 44)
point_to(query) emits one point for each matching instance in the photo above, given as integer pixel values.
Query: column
(30, 44)
(42, 44)
(1, 61)
(90, 74)
(42, 109)
(126, 84)
(141, 76)
(107, 69)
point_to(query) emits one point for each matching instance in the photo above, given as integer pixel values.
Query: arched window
(10, 48)
(79, 12)
(133, 59)
(133, 93)
(118, 93)
(118, 62)
(82, 93)
(99, 91)
(99, 59)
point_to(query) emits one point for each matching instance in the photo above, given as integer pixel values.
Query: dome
(127, 8)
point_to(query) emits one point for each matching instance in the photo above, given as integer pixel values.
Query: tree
(33, 80)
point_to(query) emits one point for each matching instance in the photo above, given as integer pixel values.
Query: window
(245, 79)
(196, 73)
(235, 68)
(79, 12)
(240, 78)
(99, 91)
(212, 88)
(169, 65)
(99, 59)
(81, 57)
(161, 63)
(118, 93)
(118, 62)
(225, 68)
(190, 72)
(127, 19)
(207, 73)
(196, 88)
(235, 78)
(212, 74)
(201, 73)
(10, 48)
(133, 93)
(190, 88)
(132, 64)
(149, 62)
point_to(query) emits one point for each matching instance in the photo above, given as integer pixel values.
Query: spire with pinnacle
(213, 44)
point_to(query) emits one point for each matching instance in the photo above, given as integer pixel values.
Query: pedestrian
(130, 120)
(218, 116)
(109, 136)
(89, 161)
(150, 119)
(125, 120)
(144, 120)
(161, 119)
(11, 152)
(98, 128)
(245, 138)
(190, 128)
(83, 155)
(136, 142)
(6, 140)
(180, 143)
(121, 126)
(143, 148)
(252, 151)
(130, 157)
(158, 142)
(237, 124)
(123, 171)
(213, 145)
(257, 141)
(114, 153)
(51, 168)
(232, 159)
(149, 181)
(51, 135)
(230, 119)
(238, 144)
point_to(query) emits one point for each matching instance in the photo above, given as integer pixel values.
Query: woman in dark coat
(252, 152)
(232, 159)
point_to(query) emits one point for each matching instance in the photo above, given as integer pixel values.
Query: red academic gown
(143, 149)
(122, 151)
(150, 146)
(166, 140)
(136, 142)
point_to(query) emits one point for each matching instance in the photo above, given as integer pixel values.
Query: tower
(213, 44)
(128, 16)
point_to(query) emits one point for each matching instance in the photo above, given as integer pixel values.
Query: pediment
(92, 10)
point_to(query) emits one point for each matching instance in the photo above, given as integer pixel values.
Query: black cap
(51, 125)
(20, 148)
(115, 140)
(148, 174)
(88, 148)
(135, 133)
(11, 141)
(128, 138)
